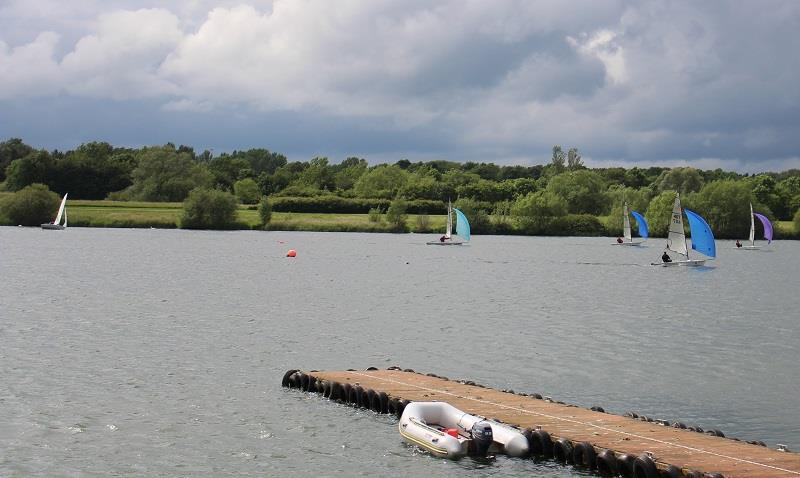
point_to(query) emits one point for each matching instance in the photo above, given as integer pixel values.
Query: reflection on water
(160, 353)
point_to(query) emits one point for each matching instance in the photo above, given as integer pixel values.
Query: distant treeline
(563, 193)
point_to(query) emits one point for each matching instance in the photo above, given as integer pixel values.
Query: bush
(209, 209)
(396, 215)
(341, 205)
(30, 206)
(375, 215)
(423, 223)
(576, 225)
(265, 211)
(797, 222)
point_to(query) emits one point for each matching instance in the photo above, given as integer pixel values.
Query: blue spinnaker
(767, 226)
(702, 237)
(462, 225)
(643, 231)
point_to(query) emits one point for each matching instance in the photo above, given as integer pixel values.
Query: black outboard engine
(482, 438)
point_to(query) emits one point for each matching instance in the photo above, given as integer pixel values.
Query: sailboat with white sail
(462, 229)
(702, 237)
(62, 214)
(767, 231)
(627, 237)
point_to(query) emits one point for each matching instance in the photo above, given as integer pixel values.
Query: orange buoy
(291, 253)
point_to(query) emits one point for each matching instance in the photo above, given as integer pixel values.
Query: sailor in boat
(442, 239)
(619, 240)
(665, 257)
(738, 244)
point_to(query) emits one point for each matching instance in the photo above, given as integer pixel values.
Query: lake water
(160, 352)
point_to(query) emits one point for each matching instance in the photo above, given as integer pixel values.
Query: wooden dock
(687, 450)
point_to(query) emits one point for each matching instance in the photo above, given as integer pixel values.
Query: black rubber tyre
(401, 406)
(294, 380)
(393, 406)
(303, 380)
(371, 368)
(285, 381)
(562, 450)
(355, 396)
(336, 391)
(346, 393)
(607, 463)
(671, 471)
(584, 456)
(367, 397)
(326, 389)
(375, 402)
(644, 467)
(383, 398)
(694, 474)
(625, 465)
(311, 386)
(541, 444)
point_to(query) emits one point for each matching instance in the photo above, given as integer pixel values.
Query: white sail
(752, 227)
(626, 228)
(676, 238)
(449, 231)
(61, 211)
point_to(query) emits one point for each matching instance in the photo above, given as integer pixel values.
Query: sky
(707, 84)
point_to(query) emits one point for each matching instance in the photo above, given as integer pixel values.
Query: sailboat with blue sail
(626, 228)
(702, 237)
(767, 230)
(462, 234)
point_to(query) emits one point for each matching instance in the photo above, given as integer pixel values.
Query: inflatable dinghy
(447, 432)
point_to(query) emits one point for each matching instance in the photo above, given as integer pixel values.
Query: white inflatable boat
(447, 432)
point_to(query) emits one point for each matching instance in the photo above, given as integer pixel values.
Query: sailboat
(62, 212)
(626, 228)
(767, 230)
(702, 237)
(462, 229)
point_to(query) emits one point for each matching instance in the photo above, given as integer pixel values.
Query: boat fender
(367, 397)
(285, 381)
(541, 444)
(401, 406)
(671, 471)
(393, 406)
(482, 437)
(303, 379)
(562, 450)
(584, 455)
(607, 463)
(625, 465)
(644, 467)
(383, 399)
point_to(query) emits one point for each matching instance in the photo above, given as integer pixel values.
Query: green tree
(318, 175)
(209, 209)
(163, 174)
(36, 167)
(582, 190)
(247, 190)
(683, 180)
(557, 160)
(348, 173)
(381, 182)
(227, 170)
(659, 213)
(536, 210)
(30, 206)
(265, 211)
(797, 222)
(11, 150)
(725, 204)
(574, 161)
(396, 215)
(477, 214)
(93, 171)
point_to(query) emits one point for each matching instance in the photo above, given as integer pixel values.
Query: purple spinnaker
(767, 226)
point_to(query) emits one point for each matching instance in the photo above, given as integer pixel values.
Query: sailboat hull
(688, 263)
(445, 243)
(627, 243)
(53, 227)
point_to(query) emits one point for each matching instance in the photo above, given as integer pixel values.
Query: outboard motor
(482, 438)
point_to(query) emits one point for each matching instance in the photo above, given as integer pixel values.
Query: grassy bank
(83, 213)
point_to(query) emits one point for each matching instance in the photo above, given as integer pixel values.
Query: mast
(752, 227)
(449, 220)
(676, 238)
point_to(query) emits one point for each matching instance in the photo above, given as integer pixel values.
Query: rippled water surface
(160, 353)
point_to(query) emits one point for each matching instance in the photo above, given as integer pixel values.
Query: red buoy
(291, 253)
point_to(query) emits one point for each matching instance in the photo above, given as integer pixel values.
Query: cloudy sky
(704, 83)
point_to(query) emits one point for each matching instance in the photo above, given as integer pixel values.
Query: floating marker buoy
(291, 253)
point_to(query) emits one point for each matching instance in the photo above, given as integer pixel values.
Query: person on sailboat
(738, 244)
(441, 239)
(619, 240)
(665, 257)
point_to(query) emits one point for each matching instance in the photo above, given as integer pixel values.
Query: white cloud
(29, 70)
